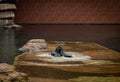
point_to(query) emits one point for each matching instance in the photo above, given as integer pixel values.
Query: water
(8, 48)
(12, 39)
(9, 45)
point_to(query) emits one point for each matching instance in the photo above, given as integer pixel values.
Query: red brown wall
(68, 11)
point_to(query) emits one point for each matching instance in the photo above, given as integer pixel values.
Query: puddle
(76, 57)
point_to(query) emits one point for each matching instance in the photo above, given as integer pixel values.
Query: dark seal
(59, 51)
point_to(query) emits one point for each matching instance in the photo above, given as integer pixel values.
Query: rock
(12, 26)
(6, 22)
(87, 60)
(6, 68)
(8, 74)
(34, 45)
(7, 14)
(7, 6)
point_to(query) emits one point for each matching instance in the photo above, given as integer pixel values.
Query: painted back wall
(68, 11)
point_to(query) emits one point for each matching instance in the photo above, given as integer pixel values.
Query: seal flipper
(66, 55)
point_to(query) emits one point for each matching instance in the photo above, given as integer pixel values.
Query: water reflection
(7, 46)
